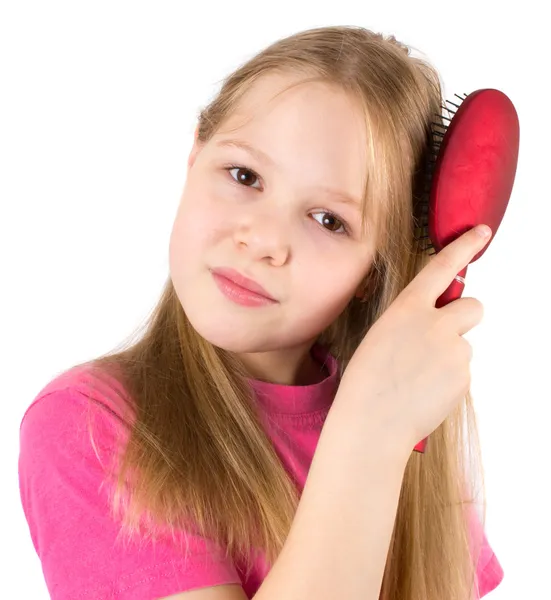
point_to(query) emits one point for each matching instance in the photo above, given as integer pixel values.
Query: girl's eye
(334, 223)
(330, 221)
(244, 176)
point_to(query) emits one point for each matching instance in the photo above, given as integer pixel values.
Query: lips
(242, 281)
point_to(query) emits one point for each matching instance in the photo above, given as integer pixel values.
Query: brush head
(472, 170)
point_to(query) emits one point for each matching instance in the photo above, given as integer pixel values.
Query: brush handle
(453, 292)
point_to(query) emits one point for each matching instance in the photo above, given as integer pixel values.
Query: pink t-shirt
(66, 505)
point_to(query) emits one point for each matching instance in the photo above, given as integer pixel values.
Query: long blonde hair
(197, 455)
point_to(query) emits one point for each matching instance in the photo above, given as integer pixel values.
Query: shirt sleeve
(489, 572)
(65, 501)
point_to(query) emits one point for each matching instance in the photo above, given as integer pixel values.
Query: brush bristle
(422, 204)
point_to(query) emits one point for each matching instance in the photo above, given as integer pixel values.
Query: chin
(225, 331)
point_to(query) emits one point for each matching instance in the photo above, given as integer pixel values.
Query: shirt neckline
(300, 399)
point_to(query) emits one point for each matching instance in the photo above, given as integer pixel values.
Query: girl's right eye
(243, 175)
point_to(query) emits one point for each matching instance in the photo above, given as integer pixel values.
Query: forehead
(287, 96)
(303, 125)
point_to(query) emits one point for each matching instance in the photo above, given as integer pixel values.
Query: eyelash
(328, 212)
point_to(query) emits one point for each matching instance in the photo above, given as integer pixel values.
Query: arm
(339, 539)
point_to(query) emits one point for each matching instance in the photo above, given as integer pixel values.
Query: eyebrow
(264, 158)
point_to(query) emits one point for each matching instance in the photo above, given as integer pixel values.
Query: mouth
(241, 289)
(242, 281)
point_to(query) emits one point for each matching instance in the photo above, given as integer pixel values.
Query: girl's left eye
(244, 176)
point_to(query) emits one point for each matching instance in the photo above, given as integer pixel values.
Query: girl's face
(277, 215)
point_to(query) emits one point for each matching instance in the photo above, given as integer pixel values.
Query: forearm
(339, 540)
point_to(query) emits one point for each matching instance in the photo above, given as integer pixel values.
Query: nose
(264, 238)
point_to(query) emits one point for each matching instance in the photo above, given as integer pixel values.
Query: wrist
(371, 433)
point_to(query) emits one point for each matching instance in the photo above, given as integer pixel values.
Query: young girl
(256, 440)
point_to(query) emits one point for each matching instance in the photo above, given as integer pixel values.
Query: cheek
(329, 285)
(198, 223)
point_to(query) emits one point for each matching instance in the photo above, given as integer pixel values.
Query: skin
(273, 225)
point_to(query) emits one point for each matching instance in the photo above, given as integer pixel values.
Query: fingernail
(483, 231)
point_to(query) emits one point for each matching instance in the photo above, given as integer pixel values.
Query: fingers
(464, 313)
(436, 277)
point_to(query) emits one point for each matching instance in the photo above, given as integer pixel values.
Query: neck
(291, 366)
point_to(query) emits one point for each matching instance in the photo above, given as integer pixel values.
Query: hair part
(196, 457)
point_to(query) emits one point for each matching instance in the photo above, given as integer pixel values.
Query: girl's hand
(413, 366)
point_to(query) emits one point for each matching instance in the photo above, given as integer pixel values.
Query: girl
(256, 441)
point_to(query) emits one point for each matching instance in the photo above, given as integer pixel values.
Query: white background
(98, 103)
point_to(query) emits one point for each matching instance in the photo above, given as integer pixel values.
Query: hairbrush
(467, 178)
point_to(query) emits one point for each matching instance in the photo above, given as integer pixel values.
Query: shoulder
(73, 394)
(73, 423)
(68, 388)
(69, 439)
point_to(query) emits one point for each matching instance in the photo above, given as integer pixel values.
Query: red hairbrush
(469, 177)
